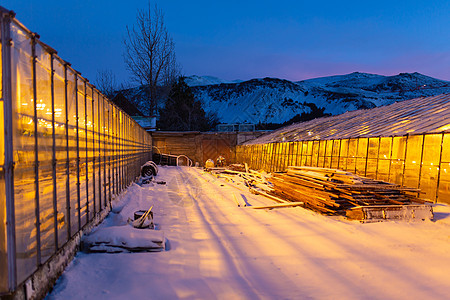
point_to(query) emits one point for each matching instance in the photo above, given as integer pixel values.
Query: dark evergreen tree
(183, 112)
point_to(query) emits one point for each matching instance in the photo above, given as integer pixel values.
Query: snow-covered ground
(217, 250)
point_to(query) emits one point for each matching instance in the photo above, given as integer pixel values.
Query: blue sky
(293, 40)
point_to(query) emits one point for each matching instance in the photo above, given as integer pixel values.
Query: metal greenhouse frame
(65, 151)
(407, 143)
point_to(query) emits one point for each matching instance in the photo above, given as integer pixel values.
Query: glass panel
(23, 152)
(96, 153)
(351, 160)
(398, 147)
(315, 153)
(61, 150)
(385, 148)
(373, 147)
(383, 170)
(101, 151)
(413, 161)
(361, 156)
(82, 148)
(45, 152)
(362, 147)
(279, 156)
(114, 150)
(89, 153)
(343, 155)
(428, 182)
(335, 152)
(309, 150)
(3, 244)
(396, 172)
(108, 150)
(430, 164)
(299, 153)
(444, 183)
(3, 256)
(397, 161)
(371, 171)
(432, 149)
(72, 130)
(292, 148)
(446, 148)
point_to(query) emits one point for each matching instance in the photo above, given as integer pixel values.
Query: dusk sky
(294, 40)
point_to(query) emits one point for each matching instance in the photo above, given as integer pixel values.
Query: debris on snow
(116, 239)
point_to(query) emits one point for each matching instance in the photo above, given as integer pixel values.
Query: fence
(65, 151)
(418, 161)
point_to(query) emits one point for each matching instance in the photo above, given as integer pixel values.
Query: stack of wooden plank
(333, 191)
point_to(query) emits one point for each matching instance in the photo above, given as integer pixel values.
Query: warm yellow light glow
(444, 128)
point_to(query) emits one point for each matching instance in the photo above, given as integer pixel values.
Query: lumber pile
(334, 192)
(237, 167)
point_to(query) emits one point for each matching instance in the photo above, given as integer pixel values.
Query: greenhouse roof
(415, 116)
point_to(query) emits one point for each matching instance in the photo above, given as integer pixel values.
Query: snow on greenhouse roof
(415, 116)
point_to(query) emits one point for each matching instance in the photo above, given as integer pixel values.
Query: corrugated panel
(415, 116)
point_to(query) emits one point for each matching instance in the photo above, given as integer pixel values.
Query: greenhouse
(407, 143)
(65, 151)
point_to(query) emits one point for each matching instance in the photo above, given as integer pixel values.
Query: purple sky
(293, 40)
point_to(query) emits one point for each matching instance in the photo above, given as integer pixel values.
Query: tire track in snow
(288, 250)
(384, 268)
(217, 254)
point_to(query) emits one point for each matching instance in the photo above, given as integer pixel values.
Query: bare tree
(106, 82)
(150, 55)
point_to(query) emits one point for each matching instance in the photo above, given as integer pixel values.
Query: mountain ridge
(274, 100)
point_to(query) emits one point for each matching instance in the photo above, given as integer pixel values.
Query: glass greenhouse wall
(65, 151)
(415, 152)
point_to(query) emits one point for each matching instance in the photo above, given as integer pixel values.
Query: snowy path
(221, 251)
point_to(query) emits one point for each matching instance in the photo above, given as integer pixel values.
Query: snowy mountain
(195, 80)
(272, 100)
